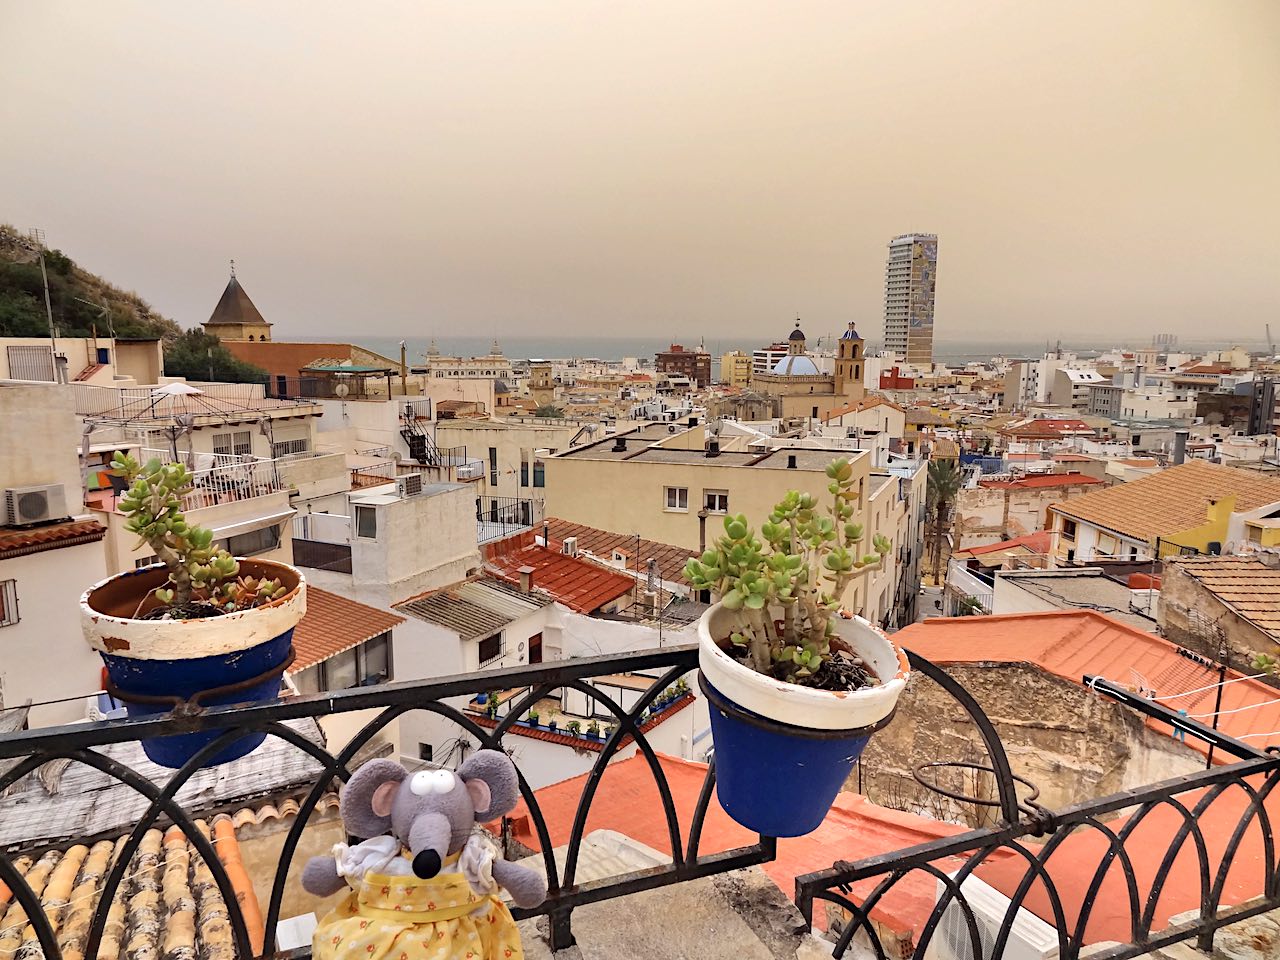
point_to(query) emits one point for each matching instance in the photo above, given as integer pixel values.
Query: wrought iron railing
(1070, 884)
(83, 743)
(1237, 854)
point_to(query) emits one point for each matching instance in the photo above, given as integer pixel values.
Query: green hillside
(189, 353)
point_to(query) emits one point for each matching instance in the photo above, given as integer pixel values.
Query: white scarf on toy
(384, 855)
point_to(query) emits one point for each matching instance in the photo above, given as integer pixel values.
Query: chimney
(791, 461)
(619, 444)
(1180, 446)
(526, 579)
(713, 448)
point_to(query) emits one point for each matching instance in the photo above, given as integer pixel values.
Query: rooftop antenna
(233, 268)
(37, 237)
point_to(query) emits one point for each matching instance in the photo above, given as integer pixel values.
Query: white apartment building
(909, 288)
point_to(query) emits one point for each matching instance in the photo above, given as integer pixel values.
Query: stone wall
(1192, 617)
(1069, 742)
(994, 514)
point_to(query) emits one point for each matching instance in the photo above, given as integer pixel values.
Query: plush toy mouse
(429, 889)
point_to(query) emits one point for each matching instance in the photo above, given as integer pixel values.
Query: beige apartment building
(675, 484)
(735, 369)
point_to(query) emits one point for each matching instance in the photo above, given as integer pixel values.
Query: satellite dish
(341, 390)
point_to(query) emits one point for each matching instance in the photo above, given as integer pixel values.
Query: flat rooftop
(1084, 589)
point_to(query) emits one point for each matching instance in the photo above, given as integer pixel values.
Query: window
(493, 466)
(308, 680)
(539, 472)
(239, 443)
(426, 752)
(8, 603)
(490, 649)
(677, 498)
(524, 468)
(286, 447)
(366, 523)
(716, 501)
(1069, 529)
(361, 666)
(104, 355)
(253, 542)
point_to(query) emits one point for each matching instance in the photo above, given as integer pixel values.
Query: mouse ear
(367, 797)
(492, 781)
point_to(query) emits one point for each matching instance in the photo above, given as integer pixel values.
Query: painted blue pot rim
(724, 704)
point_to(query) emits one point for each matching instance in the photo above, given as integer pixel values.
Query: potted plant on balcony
(553, 724)
(796, 689)
(574, 728)
(198, 629)
(593, 729)
(533, 718)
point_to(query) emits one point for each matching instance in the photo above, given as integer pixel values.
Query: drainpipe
(702, 531)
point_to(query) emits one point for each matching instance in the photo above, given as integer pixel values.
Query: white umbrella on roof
(176, 390)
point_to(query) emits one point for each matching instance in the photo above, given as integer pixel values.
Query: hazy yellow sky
(696, 167)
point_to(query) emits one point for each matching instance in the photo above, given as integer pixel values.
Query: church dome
(851, 333)
(797, 333)
(796, 365)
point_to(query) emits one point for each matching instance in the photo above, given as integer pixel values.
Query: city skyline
(581, 171)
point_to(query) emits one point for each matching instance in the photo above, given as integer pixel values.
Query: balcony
(1207, 837)
(967, 592)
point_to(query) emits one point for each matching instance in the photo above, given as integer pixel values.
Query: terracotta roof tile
(1071, 644)
(1171, 501)
(627, 801)
(16, 543)
(579, 584)
(1040, 481)
(1039, 542)
(333, 624)
(601, 543)
(1246, 585)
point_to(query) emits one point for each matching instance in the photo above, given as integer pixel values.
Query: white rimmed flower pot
(782, 750)
(156, 665)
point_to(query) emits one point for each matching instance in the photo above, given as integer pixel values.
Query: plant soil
(195, 610)
(843, 672)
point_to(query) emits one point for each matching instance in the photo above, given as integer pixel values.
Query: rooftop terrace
(1124, 875)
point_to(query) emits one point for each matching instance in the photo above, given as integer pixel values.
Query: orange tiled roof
(601, 543)
(1071, 644)
(1040, 481)
(579, 584)
(333, 624)
(1246, 585)
(1039, 542)
(867, 403)
(1170, 501)
(627, 801)
(17, 543)
(1075, 862)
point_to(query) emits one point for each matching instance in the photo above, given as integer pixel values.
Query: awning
(257, 523)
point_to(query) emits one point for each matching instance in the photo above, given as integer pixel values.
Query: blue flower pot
(184, 678)
(174, 660)
(775, 779)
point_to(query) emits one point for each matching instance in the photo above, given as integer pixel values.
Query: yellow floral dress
(397, 917)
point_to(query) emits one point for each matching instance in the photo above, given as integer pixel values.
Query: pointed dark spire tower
(235, 317)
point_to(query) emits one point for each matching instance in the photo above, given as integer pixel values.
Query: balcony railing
(1228, 875)
(82, 743)
(498, 517)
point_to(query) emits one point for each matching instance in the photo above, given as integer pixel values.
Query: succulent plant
(198, 571)
(802, 562)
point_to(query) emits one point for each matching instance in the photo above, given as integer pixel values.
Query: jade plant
(801, 564)
(203, 579)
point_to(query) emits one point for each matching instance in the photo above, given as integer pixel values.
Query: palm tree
(549, 411)
(943, 486)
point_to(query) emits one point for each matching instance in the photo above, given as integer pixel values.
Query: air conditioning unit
(570, 547)
(410, 485)
(27, 506)
(1030, 938)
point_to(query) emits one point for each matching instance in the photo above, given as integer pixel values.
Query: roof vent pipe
(619, 444)
(526, 579)
(1180, 446)
(713, 448)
